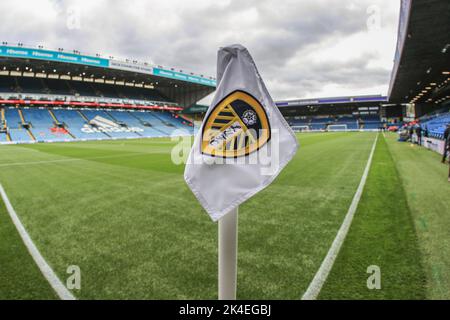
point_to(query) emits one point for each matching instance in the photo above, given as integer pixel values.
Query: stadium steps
(53, 117)
(168, 124)
(70, 134)
(83, 116)
(2, 112)
(4, 126)
(31, 135)
(21, 116)
(142, 122)
(59, 123)
(119, 121)
(134, 116)
(111, 116)
(33, 138)
(87, 121)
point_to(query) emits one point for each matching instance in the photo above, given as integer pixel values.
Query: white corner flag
(242, 145)
(244, 141)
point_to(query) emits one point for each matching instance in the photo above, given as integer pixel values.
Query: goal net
(337, 127)
(300, 128)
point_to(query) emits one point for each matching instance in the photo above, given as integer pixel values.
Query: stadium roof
(422, 60)
(182, 87)
(339, 105)
(354, 100)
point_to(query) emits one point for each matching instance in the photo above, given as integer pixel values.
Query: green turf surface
(382, 234)
(427, 190)
(122, 212)
(19, 275)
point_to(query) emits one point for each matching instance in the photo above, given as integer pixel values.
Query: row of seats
(436, 125)
(42, 124)
(351, 122)
(24, 85)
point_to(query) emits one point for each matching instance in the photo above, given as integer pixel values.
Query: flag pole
(228, 255)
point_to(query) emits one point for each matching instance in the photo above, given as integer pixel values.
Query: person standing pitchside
(419, 135)
(447, 147)
(446, 142)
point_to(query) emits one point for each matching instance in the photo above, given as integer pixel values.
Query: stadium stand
(132, 120)
(4, 137)
(57, 124)
(150, 119)
(39, 121)
(7, 84)
(51, 95)
(74, 122)
(299, 122)
(370, 122)
(349, 121)
(29, 85)
(15, 126)
(82, 88)
(116, 130)
(436, 125)
(320, 123)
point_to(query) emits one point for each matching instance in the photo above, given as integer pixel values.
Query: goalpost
(337, 127)
(300, 128)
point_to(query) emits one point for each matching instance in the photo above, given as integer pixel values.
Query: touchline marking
(322, 274)
(62, 292)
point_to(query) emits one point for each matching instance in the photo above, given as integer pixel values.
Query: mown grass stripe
(137, 232)
(382, 234)
(43, 266)
(321, 276)
(20, 278)
(424, 179)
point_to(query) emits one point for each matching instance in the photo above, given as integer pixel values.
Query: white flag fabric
(244, 141)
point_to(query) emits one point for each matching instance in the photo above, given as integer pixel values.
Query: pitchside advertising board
(434, 144)
(40, 54)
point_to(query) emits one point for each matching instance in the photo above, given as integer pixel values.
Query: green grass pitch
(121, 211)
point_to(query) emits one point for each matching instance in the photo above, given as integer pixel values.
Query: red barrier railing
(88, 104)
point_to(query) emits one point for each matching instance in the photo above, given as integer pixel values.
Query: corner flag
(244, 141)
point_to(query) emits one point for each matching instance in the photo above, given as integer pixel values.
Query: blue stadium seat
(12, 118)
(20, 135)
(370, 122)
(436, 125)
(58, 124)
(43, 126)
(132, 120)
(74, 123)
(3, 137)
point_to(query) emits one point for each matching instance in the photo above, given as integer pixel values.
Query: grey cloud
(187, 35)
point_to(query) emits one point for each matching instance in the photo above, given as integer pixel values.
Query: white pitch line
(14, 164)
(62, 292)
(322, 274)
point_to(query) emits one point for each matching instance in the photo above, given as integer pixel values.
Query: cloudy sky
(303, 48)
